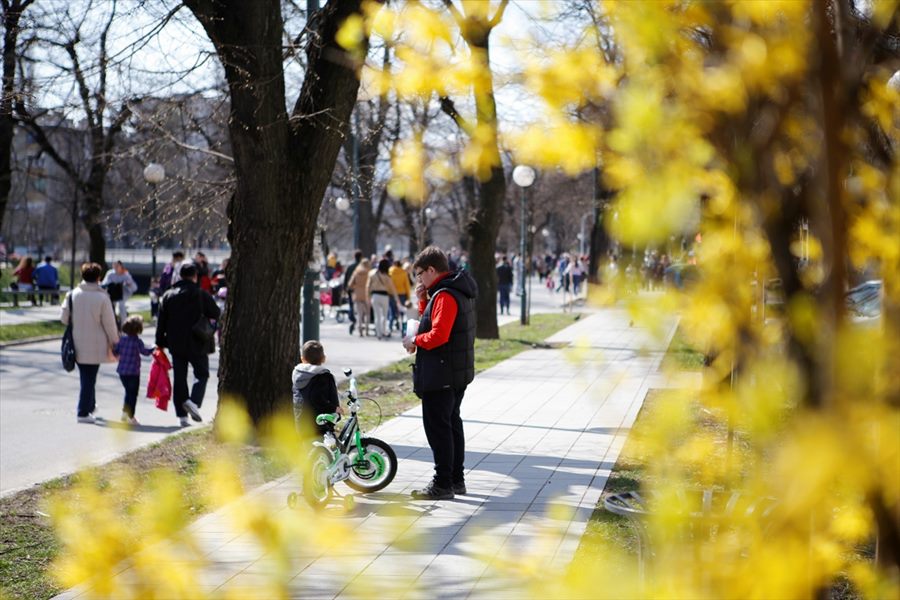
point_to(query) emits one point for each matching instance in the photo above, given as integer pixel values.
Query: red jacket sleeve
(443, 315)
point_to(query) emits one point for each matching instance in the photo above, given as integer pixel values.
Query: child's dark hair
(313, 352)
(133, 325)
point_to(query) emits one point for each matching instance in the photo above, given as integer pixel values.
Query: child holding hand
(129, 349)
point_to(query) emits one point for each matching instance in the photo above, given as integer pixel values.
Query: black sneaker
(459, 488)
(433, 492)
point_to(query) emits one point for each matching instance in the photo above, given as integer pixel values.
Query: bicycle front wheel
(376, 469)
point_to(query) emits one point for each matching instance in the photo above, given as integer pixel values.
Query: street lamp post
(581, 236)
(154, 174)
(523, 176)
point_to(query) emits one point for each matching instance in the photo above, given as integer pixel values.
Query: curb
(33, 340)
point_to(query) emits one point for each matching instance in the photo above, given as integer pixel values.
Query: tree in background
(12, 15)
(424, 39)
(78, 47)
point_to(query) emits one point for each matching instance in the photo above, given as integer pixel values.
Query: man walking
(504, 283)
(46, 278)
(357, 257)
(445, 365)
(180, 309)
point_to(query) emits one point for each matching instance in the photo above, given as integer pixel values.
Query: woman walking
(357, 285)
(94, 332)
(380, 291)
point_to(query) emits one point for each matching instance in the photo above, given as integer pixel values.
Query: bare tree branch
(498, 16)
(449, 108)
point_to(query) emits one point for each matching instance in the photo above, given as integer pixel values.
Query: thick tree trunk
(11, 18)
(483, 231)
(600, 240)
(484, 228)
(368, 228)
(283, 167)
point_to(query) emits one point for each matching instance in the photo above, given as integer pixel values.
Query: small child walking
(314, 391)
(129, 349)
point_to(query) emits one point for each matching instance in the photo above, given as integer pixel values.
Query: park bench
(35, 296)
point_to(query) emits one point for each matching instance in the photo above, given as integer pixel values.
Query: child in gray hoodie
(314, 391)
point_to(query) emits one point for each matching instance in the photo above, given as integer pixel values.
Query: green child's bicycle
(366, 464)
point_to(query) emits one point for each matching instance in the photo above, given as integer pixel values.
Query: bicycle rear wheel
(376, 469)
(316, 487)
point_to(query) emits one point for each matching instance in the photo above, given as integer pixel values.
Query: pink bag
(159, 387)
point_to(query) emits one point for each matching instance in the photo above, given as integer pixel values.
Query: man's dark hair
(188, 271)
(313, 352)
(90, 272)
(384, 265)
(178, 254)
(48, 258)
(133, 325)
(357, 255)
(432, 256)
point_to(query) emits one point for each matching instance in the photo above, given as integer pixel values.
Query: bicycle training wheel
(316, 487)
(376, 469)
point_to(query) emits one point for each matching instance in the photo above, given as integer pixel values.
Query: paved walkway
(543, 431)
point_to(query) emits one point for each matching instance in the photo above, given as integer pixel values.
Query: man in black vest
(445, 365)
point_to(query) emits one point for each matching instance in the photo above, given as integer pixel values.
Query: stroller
(331, 294)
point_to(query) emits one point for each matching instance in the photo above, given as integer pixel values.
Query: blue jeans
(350, 302)
(131, 383)
(87, 397)
(200, 364)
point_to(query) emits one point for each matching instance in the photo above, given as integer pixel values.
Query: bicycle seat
(327, 418)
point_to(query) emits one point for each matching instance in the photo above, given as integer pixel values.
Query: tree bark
(600, 240)
(283, 166)
(12, 13)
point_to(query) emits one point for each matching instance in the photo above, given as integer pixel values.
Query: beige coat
(358, 282)
(380, 282)
(94, 328)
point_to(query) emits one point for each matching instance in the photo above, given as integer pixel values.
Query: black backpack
(115, 291)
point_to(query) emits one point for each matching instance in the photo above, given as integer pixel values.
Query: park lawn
(391, 387)
(28, 545)
(24, 331)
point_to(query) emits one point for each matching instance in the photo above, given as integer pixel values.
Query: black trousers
(200, 364)
(444, 430)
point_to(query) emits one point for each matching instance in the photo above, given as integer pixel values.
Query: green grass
(391, 386)
(28, 545)
(681, 355)
(24, 331)
(9, 333)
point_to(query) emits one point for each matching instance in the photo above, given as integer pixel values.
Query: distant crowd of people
(377, 290)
